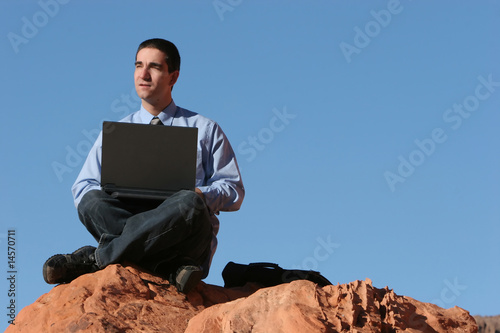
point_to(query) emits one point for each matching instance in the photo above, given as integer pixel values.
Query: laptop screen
(148, 157)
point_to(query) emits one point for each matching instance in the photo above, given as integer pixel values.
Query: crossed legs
(176, 229)
(160, 238)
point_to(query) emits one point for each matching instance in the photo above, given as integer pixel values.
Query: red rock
(488, 324)
(125, 299)
(119, 299)
(302, 306)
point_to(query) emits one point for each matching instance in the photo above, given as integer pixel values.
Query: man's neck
(155, 109)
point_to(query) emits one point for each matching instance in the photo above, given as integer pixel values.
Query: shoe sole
(48, 266)
(48, 269)
(187, 278)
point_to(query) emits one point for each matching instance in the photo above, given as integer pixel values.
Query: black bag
(267, 275)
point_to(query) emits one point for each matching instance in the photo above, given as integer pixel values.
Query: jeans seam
(97, 256)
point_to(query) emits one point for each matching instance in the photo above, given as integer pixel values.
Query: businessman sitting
(175, 238)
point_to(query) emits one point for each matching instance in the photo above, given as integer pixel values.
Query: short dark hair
(172, 57)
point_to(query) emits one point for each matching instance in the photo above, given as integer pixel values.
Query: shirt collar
(166, 116)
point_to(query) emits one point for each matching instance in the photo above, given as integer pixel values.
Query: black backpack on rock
(267, 275)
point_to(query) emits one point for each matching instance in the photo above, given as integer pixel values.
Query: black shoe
(64, 268)
(188, 277)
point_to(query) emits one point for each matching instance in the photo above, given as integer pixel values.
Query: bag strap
(264, 264)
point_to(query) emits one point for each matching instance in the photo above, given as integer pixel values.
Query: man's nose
(144, 73)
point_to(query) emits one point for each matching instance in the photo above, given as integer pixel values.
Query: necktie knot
(156, 121)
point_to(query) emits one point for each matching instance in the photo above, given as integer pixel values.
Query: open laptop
(142, 161)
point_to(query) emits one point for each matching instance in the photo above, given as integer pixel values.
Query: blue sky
(366, 132)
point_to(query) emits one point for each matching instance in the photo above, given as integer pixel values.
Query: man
(175, 238)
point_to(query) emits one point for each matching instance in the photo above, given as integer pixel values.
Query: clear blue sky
(366, 132)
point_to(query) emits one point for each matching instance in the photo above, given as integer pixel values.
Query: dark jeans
(157, 236)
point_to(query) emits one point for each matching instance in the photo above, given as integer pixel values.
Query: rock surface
(119, 299)
(125, 299)
(301, 306)
(488, 324)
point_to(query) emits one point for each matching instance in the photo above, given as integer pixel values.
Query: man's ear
(173, 77)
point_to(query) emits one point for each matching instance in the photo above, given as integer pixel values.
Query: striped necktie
(156, 121)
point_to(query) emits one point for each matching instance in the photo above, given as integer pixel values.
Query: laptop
(147, 162)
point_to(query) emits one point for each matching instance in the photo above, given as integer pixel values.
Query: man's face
(153, 82)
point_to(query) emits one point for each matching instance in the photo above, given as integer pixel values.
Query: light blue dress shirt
(217, 172)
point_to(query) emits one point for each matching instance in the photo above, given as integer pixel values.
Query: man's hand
(200, 193)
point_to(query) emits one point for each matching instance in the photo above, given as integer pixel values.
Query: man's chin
(143, 94)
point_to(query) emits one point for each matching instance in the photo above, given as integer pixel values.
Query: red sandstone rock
(302, 306)
(124, 299)
(119, 299)
(488, 324)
